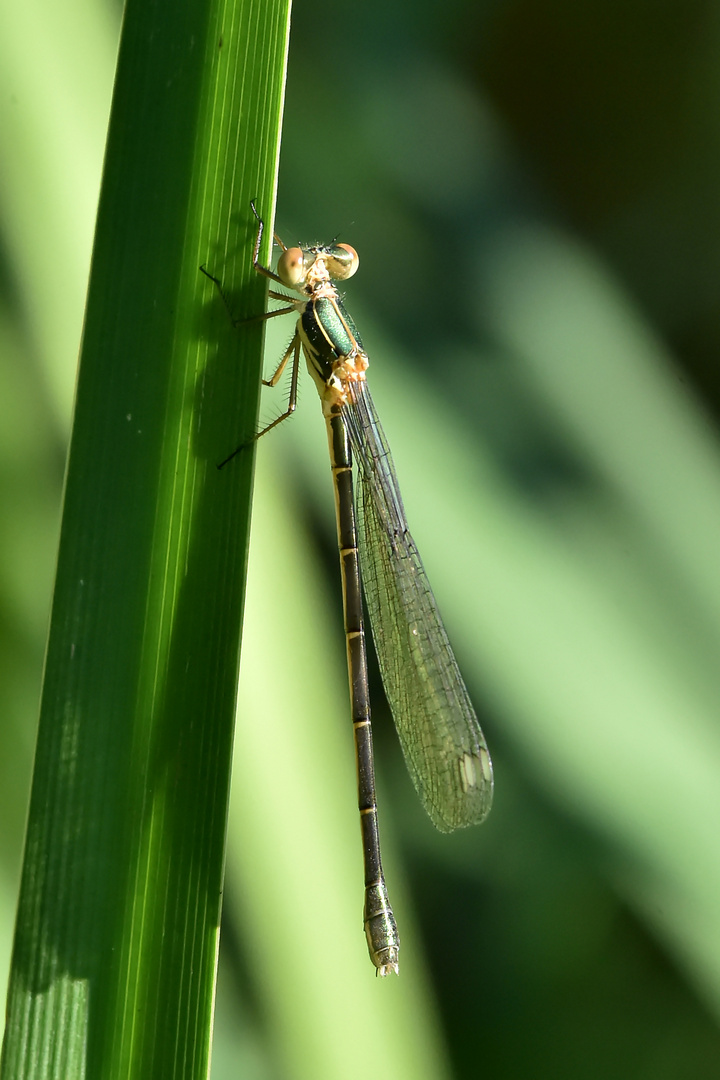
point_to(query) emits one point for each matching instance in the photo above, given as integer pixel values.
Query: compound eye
(342, 262)
(291, 267)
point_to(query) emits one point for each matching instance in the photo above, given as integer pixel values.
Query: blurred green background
(532, 189)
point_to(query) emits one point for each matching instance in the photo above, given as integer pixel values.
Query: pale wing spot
(485, 765)
(468, 772)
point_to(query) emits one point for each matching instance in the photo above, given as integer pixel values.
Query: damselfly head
(293, 266)
(336, 262)
(341, 260)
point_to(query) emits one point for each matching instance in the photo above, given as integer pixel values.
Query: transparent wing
(444, 748)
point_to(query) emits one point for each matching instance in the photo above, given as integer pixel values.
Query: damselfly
(444, 748)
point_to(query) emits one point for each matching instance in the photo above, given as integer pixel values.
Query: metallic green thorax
(329, 334)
